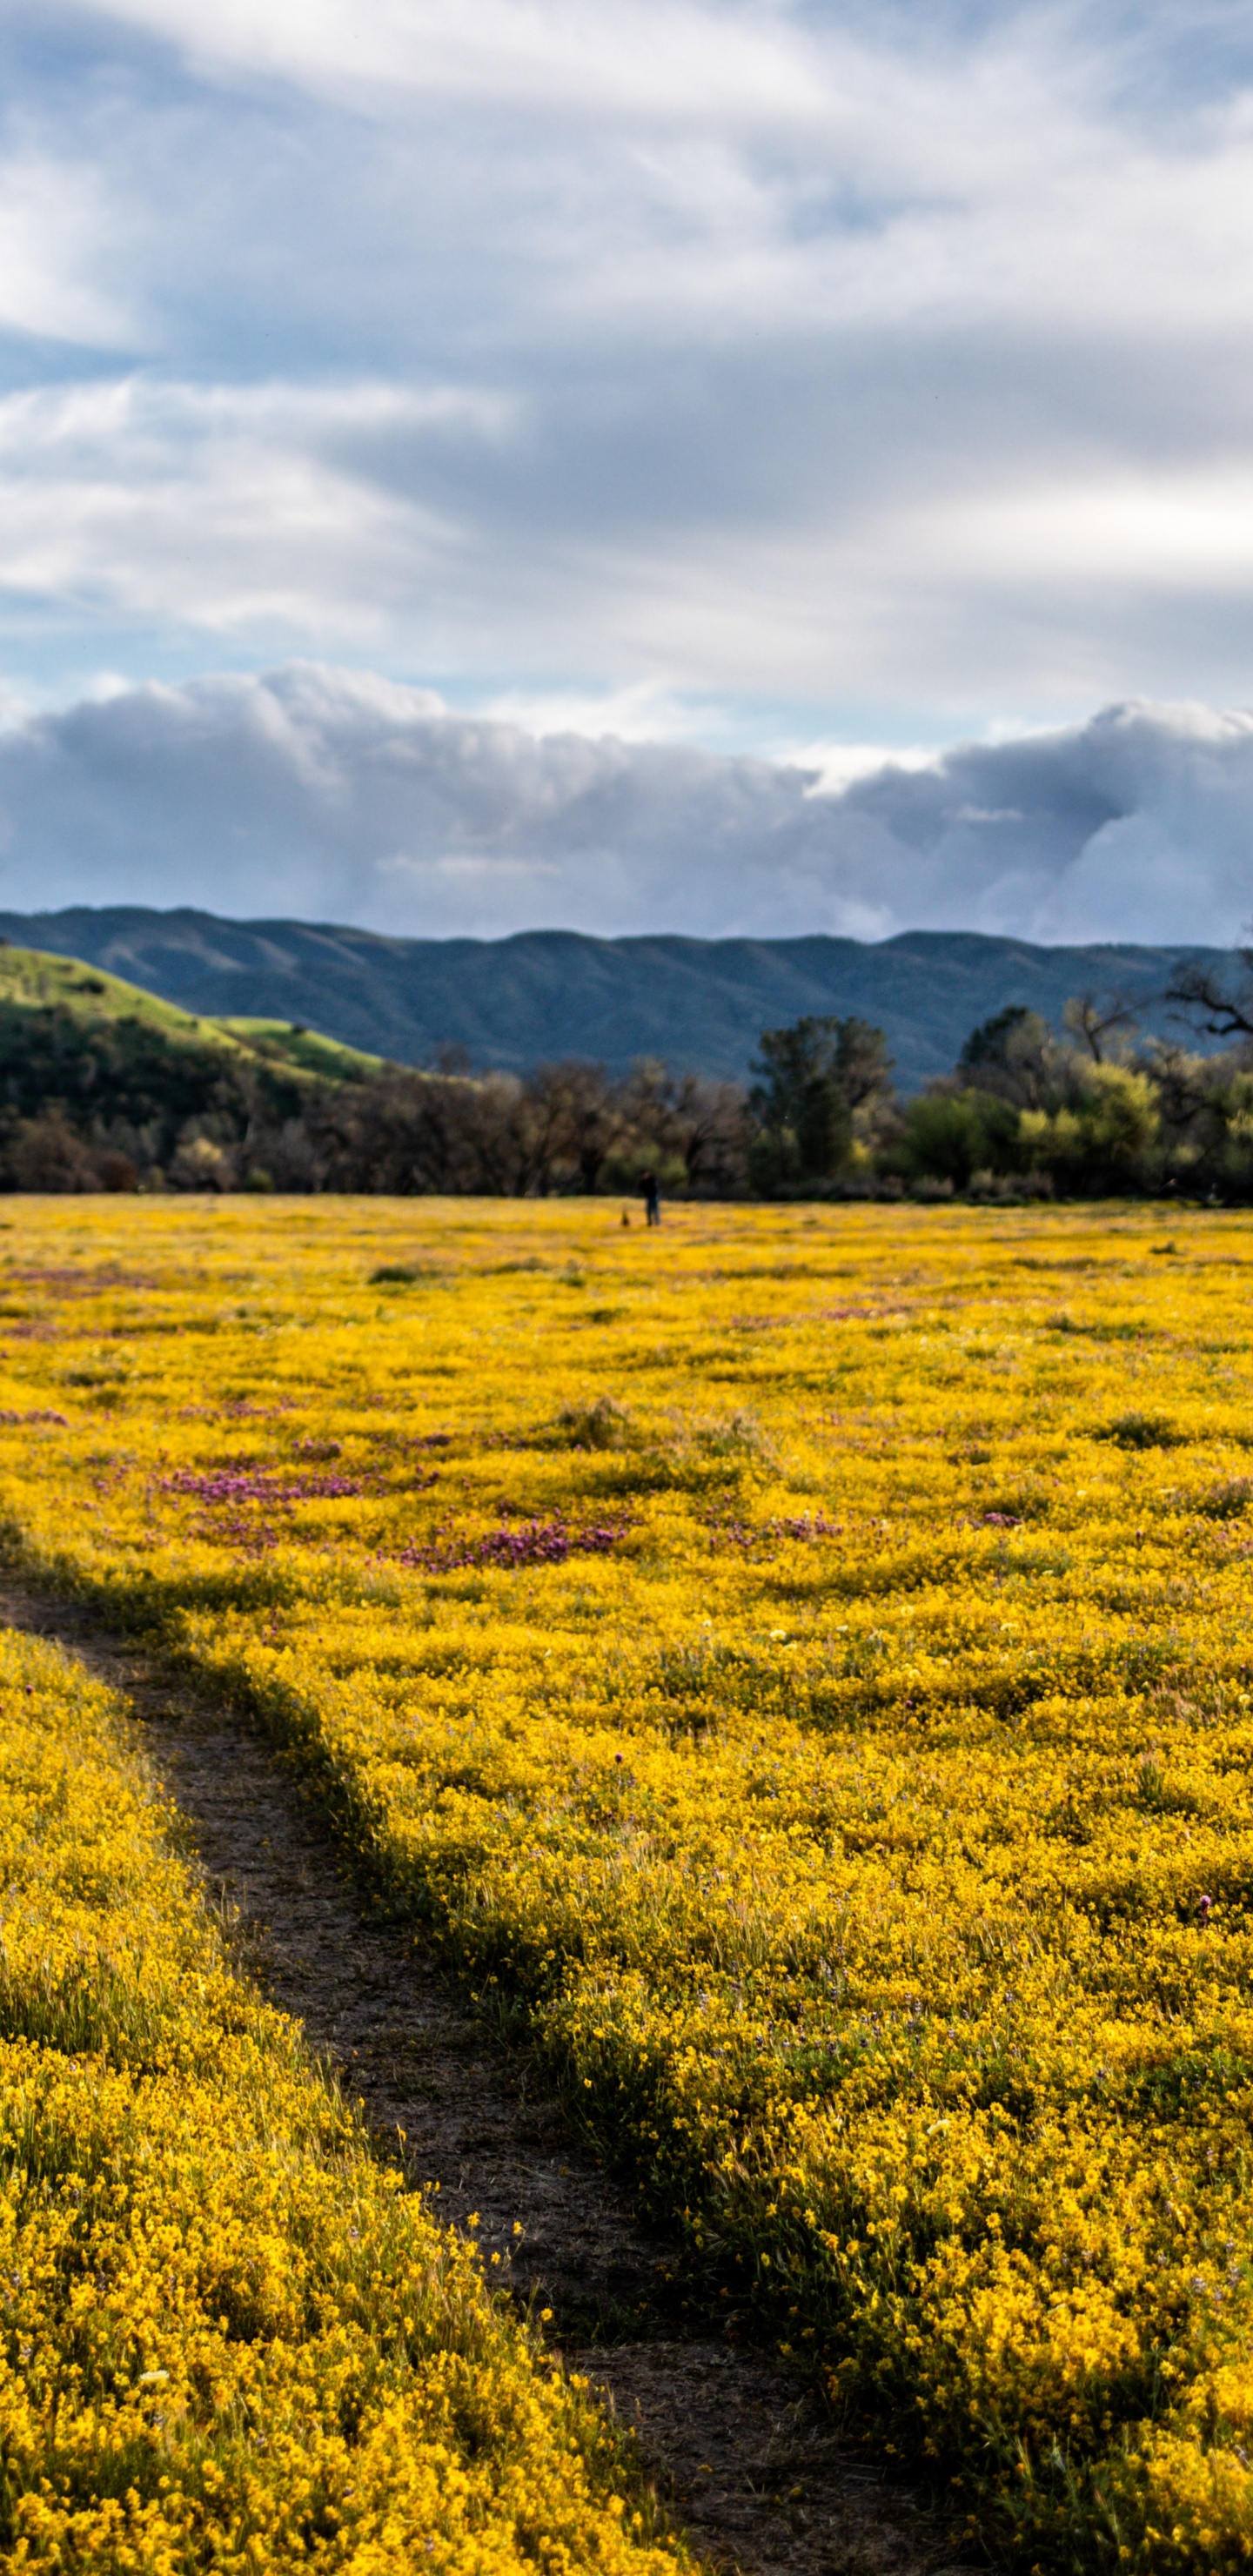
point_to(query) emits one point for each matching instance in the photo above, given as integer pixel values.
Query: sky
(766, 465)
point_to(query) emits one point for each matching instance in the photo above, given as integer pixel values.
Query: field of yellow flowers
(802, 1659)
(230, 2341)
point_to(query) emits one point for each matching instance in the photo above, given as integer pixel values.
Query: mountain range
(543, 994)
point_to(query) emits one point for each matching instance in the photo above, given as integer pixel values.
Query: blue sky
(803, 383)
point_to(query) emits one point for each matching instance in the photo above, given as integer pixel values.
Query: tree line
(1027, 1111)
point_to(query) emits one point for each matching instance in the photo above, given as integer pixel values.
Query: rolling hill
(102, 1083)
(545, 994)
(52, 1004)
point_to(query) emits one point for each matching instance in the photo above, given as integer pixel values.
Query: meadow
(230, 2339)
(798, 1662)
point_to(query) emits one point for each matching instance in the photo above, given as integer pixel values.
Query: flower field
(802, 1658)
(229, 2340)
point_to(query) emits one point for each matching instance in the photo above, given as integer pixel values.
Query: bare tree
(714, 1133)
(1095, 1017)
(672, 1118)
(47, 1154)
(574, 1118)
(1198, 993)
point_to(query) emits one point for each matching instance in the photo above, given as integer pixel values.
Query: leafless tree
(715, 1131)
(1096, 1017)
(572, 1117)
(1199, 994)
(48, 1154)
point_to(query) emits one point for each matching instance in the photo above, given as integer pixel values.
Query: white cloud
(619, 55)
(443, 528)
(56, 237)
(337, 795)
(644, 711)
(690, 159)
(889, 362)
(228, 508)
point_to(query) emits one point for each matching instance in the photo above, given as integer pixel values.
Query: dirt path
(747, 2461)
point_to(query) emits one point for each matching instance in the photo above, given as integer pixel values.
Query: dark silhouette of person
(652, 1198)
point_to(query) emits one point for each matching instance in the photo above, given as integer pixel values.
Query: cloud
(338, 795)
(55, 245)
(465, 529)
(874, 371)
(624, 56)
(230, 508)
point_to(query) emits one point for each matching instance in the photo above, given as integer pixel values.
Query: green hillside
(305, 1050)
(33, 983)
(53, 1006)
(104, 1084)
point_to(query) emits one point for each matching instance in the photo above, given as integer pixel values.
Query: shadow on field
(742, 2453)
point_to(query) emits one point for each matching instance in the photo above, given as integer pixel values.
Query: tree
(1198, 994)
(863, 1067)
(1103, 1136)
(1011, 1055)
(711, 1123)
(573, 1117)
(949, 1135)
(1096, 1017)
(810, 1078)
(682, 1126)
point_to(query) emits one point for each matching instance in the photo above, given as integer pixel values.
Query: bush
(200, 1164)
(951, 1135)
(1104, 1137)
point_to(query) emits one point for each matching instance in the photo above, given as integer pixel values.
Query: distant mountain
(699, 1003)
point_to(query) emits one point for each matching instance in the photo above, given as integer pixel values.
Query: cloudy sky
(463, 468)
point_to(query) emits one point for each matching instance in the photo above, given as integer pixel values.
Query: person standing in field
(652, 1198)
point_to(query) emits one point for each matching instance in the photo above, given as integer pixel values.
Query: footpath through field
(742, 2455)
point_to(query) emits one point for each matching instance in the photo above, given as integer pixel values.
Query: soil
(742, 2455)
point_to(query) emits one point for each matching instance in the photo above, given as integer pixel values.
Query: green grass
(303, 1050)
(33, 981)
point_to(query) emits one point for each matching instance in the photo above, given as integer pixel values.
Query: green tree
(1102, 1138)
(1012, 1054)
(810, 1078)
(951, 1135)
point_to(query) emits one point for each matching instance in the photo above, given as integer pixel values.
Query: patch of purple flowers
(222, 1485)
(810, 1526)
(536, 1543)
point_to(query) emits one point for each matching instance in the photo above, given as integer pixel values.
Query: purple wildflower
(536, 1543)
(232, 1484)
